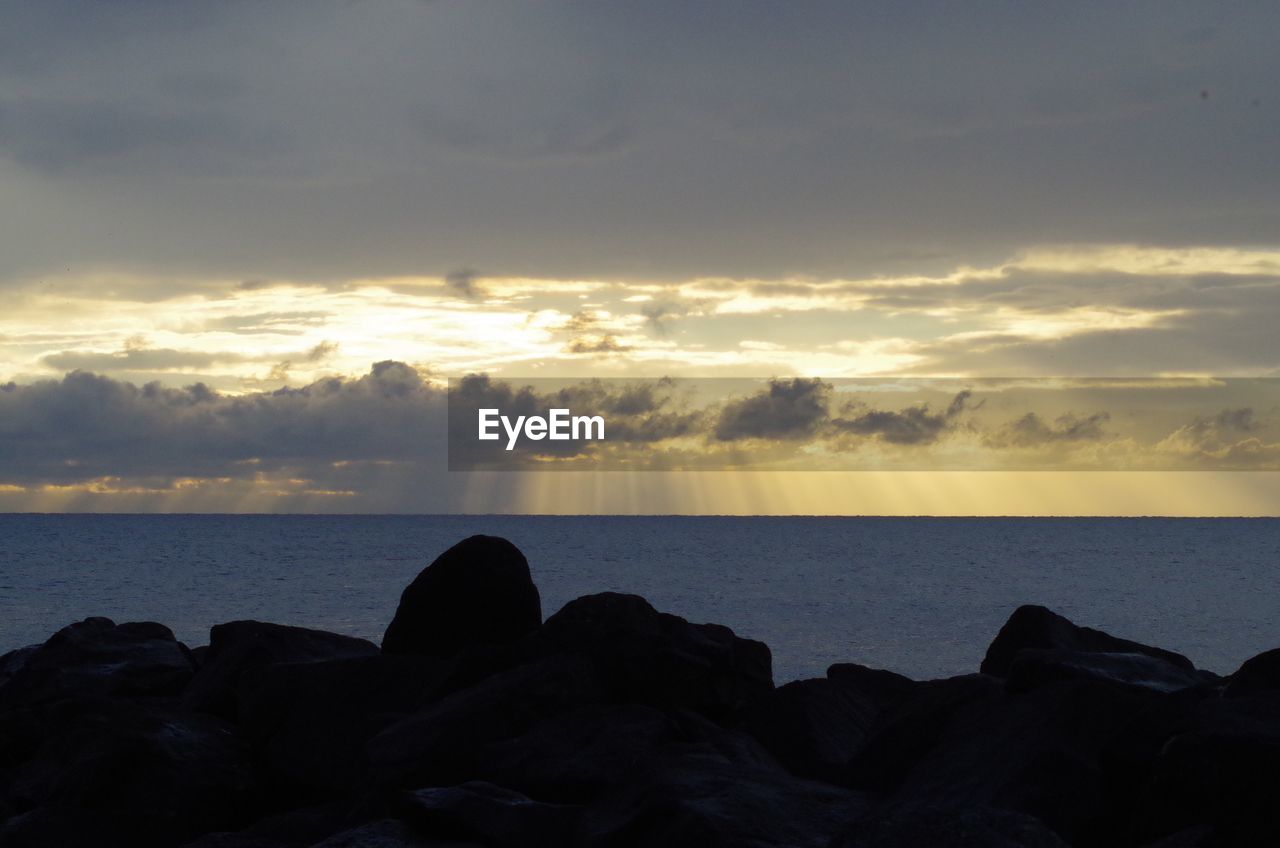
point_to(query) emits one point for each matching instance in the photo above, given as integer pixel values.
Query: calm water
(917, 595)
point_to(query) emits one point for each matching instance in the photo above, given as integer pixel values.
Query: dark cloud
(464, 283)
(85, 427)
(915, 425)
(1031, 430)
(786, 409)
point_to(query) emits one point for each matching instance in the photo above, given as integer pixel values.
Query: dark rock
(387, 833)
(1258, 674)
(974, 827)
(439, 745)
(1039, 753)
(1033, 667)
(137, 773)
(237, 840)
(1039, 628)
(647, 657)
(813, 727)
(478, 592)
(312, 720)
(577, 756)
(239, 647)
(96, 657)
(491, 816)
(723, 794)
(1196, 761)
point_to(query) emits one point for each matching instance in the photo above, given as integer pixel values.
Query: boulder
(478, 592)
(310, 721)
(240, 647)
(723, 793)
(387, 833)
(439, 745)
(972, 827)
(1260, 674)
(491, 816)
(646, 657)
(1034, 667)
(96, 657)
(138, 773)
(1039, 628)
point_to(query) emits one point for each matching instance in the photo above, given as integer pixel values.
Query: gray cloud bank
(664, 139)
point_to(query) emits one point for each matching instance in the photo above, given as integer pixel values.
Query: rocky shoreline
(477, 723)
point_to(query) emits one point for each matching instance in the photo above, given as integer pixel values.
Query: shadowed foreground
(612, 724)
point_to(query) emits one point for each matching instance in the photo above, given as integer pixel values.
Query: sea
(920, 596)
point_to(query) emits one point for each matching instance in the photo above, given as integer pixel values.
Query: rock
(577, 756)
(1258, 675)
(226, 839)
(139, 773)
(438, 745)
(1032, 667)
(478, 592)
(813, 727)
(647, 657)
(1039, 628)
(1196, 761)
(1039, 753)
(973, 827)
(387, 833)
(724, 794)
(239, 647)
(96, 657)
(491, 816)
(311, 721)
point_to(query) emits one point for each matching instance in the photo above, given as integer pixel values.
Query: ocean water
(921, 596)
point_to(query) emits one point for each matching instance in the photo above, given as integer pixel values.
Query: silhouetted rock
(927, 827)
(1034, 667)
(646, 657)
(134, 772)
(310, 721)
(439, 745)
(387, 833)
(239, 647)
(478, 592)
(1039, 628)
(491, 816)
(96, 657)
(1258, 675)
(814, 727)
(722, 794)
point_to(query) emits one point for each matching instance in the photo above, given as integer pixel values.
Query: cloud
(786, 409)
(1031, 430)
(606, 343)
(915, 425)
(85, 427)
(464, 283)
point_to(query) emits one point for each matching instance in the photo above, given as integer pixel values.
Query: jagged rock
(816, 727)
(1033, 667)
(239, 647)
(647, 657)
(1039, 628)
(96, 657)
(136, 772)
(478, 592)
(974, 827)
(491, 816)
(1258, 675)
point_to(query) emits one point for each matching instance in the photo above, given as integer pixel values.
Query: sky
(244, 246)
